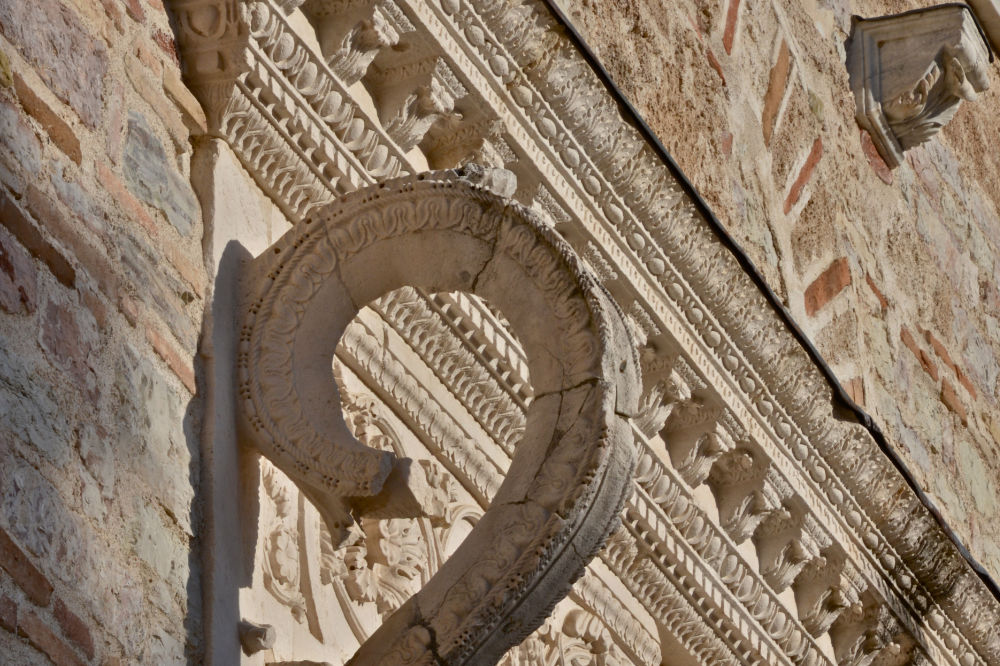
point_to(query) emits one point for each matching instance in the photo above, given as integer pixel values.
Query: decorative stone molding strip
(424, 412)
(909, 73)
(471, 378)
(570, 475)
(641, 646)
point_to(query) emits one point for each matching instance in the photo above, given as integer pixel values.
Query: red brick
(149, 85)
(830, 283)
(116, 188)
(142, 82)
(168, 44)
(73, 628)
(68, 57)
(142, 50)
(727, 143)
(31, 238)
(729, 34)
(8, 613)
(58, 129)
(24, 573)
(950, 398)
(882, 300)
(923, 357)
(964, 380)
(776, 84)
(939, 349)
(97, 308)
(193, 274)
(855, 388)
(811, 161)
(714, 63)
(44, 639)
(878, 164)
(180, 367)
(135, 11)
(18, 282)
(114, 13)
(92, 260)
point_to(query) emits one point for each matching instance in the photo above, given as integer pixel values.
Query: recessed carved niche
(909, 73)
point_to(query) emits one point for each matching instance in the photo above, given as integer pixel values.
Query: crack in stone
(592, 380)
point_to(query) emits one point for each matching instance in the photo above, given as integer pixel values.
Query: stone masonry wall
(891, 273)
(102, 288)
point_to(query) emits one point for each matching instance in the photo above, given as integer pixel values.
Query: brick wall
(891, 273)
(102, 288)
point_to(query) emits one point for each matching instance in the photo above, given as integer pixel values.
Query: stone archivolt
(761, 528)
(568, 478)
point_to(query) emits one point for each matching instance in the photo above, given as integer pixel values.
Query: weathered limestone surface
(101, 299)
(139, 522)
(760, 116)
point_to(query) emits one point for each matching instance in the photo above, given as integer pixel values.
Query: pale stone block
(910, 71)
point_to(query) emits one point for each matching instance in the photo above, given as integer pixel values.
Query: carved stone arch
(571, 472)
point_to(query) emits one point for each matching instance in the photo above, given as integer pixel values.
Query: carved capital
(909, 73)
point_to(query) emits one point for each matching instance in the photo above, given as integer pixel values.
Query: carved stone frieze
(282, 573)
(413, 96)
(910, 72)
(828, 515)
(289, 119)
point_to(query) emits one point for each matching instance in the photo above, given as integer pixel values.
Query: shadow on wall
(228, 485)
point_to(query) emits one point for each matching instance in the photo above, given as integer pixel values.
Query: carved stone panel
(909, 73)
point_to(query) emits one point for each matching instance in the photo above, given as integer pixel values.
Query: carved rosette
(571, 472)
(909, 73)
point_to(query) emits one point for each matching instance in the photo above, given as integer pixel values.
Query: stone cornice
(719, 301)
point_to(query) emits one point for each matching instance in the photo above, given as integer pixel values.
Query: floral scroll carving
(448, 231)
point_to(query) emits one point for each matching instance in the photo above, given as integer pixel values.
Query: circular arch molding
(447, 231)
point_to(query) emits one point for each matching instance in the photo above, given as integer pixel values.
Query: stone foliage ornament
(567, 483)
(909, 73)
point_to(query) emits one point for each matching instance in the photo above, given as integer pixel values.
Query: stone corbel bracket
(909, 72)
(571, 473)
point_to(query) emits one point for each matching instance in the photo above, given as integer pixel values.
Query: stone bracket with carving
(568, 481)
(909, 72)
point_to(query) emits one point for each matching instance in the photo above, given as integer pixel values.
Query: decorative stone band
(447, 231)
